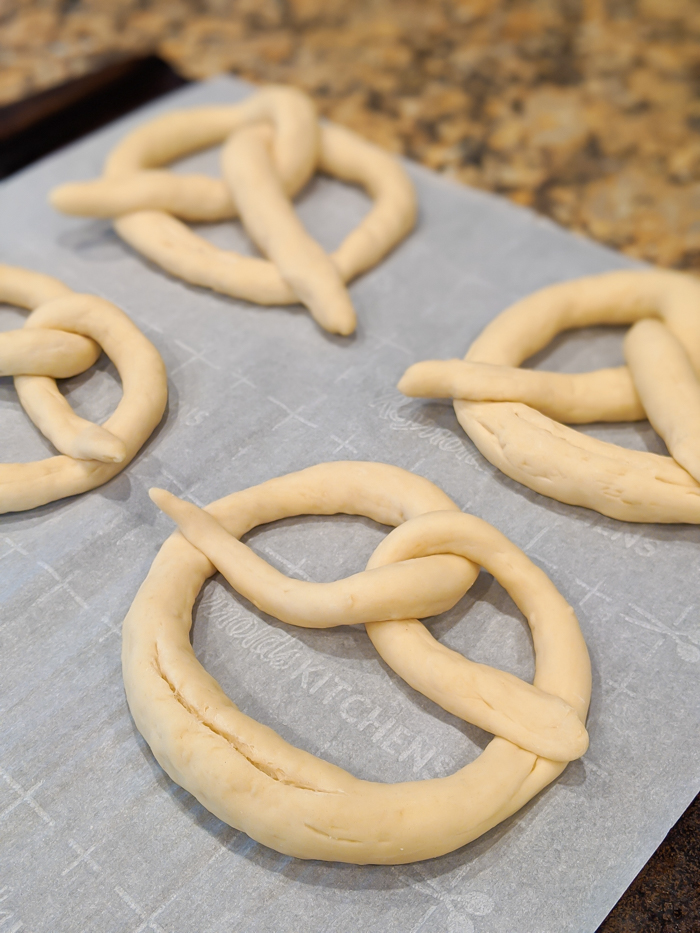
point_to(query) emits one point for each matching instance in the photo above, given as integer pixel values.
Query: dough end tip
(343, 328)
(406, 383)
(159, 497)
(60, 197)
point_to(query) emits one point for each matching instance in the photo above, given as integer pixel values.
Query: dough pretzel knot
(64, 335)
(513, 415)
(273, 145)
(288, 799)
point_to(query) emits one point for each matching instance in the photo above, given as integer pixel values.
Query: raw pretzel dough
(493, 398)
(286, 798)
(274, 145)
(63, 336)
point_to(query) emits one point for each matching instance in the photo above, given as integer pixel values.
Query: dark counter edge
(39, 125)
(663, 898)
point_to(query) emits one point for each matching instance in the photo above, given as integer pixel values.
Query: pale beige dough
(493, 397)
(669, 389)
(288, 799)
(578, 398)
(273, 225)
(54, 353)
(274, 145)
(63, 336)
(132, 180)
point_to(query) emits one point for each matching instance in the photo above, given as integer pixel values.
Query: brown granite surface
(587, 110)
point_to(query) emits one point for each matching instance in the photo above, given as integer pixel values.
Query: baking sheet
(93, 834)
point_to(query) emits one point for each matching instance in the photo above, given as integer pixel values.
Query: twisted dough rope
(508, 412)
(63, 336)
(274, 145)
(286, 798)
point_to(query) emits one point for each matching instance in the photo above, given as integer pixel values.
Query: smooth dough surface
(513, 415)
(282, 796)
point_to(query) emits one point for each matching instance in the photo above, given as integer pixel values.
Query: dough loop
(273, 143)
(63, 336)
(513, 415)
(288, 799)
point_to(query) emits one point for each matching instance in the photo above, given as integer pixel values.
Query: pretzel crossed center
(421, 569)
(512, 414)
(64, 335)
(38, 354)
(273, 144)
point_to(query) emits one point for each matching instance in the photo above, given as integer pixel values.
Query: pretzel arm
(669, 388)
(629, 485)
(572, 398)
(186, 255)
(28, 289)
(271, 221)
(392, 592)
(53, 353)
(392, 216)
(194, 197)
(68, 432)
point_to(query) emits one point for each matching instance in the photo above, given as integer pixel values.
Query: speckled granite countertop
(587, 110)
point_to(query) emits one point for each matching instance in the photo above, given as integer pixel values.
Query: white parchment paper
(94, 836)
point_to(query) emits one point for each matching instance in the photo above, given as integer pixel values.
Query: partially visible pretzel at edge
(288, 799)
(63, 336)
(273, 144)
(513, 415)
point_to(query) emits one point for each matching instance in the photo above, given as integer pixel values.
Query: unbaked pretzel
(248, 775)
(274, 145)
(508, 412)
(63, 336)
